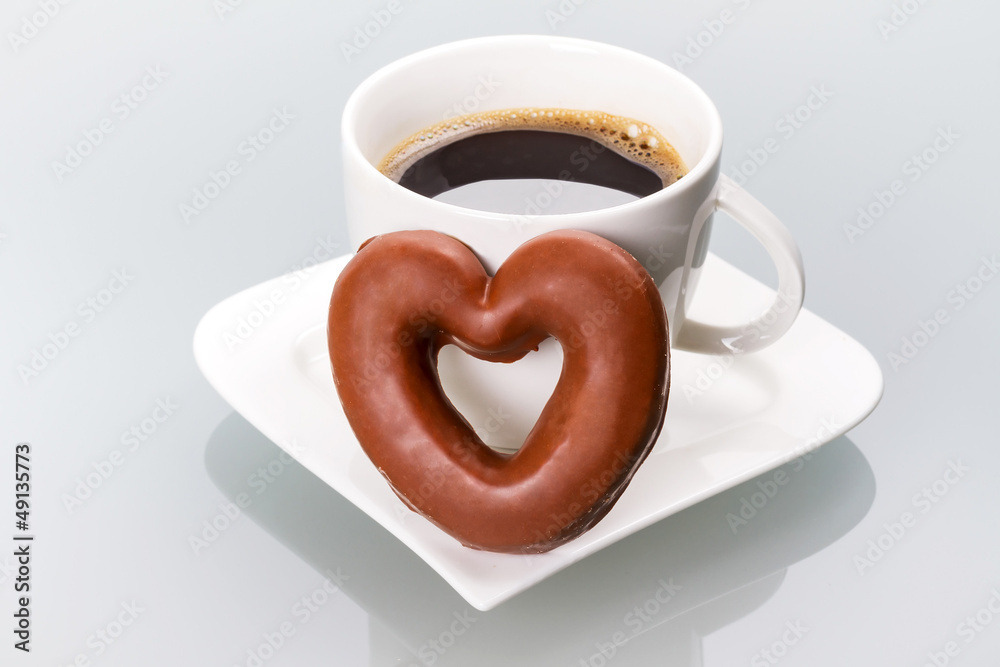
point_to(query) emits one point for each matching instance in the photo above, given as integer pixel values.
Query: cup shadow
(650, 597)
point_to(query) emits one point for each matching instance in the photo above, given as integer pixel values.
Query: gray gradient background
(60, 243)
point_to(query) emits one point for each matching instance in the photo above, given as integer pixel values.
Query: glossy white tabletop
(167, 530)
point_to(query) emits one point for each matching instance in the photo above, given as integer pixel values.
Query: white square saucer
(728, 419)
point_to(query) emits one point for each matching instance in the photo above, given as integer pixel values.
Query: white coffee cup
(667, 231)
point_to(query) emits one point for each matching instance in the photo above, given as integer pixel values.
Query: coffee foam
(633, 139)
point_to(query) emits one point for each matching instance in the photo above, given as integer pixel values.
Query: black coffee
(557, 144)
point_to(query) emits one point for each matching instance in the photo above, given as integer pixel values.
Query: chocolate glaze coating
(407, 294)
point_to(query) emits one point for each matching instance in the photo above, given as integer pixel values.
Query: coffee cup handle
(763, 330)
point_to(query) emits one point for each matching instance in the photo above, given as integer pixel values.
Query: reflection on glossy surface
(649, 598)
(676, 642)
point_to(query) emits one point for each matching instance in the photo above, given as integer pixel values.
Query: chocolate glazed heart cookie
(407, 294)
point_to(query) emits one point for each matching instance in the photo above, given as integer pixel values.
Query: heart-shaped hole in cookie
(502, 402)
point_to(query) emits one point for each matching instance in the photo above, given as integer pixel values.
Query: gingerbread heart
(407, 294)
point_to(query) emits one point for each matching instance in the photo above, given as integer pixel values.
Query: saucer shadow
(648, 598)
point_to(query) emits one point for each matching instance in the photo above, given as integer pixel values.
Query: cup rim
(703, 168)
